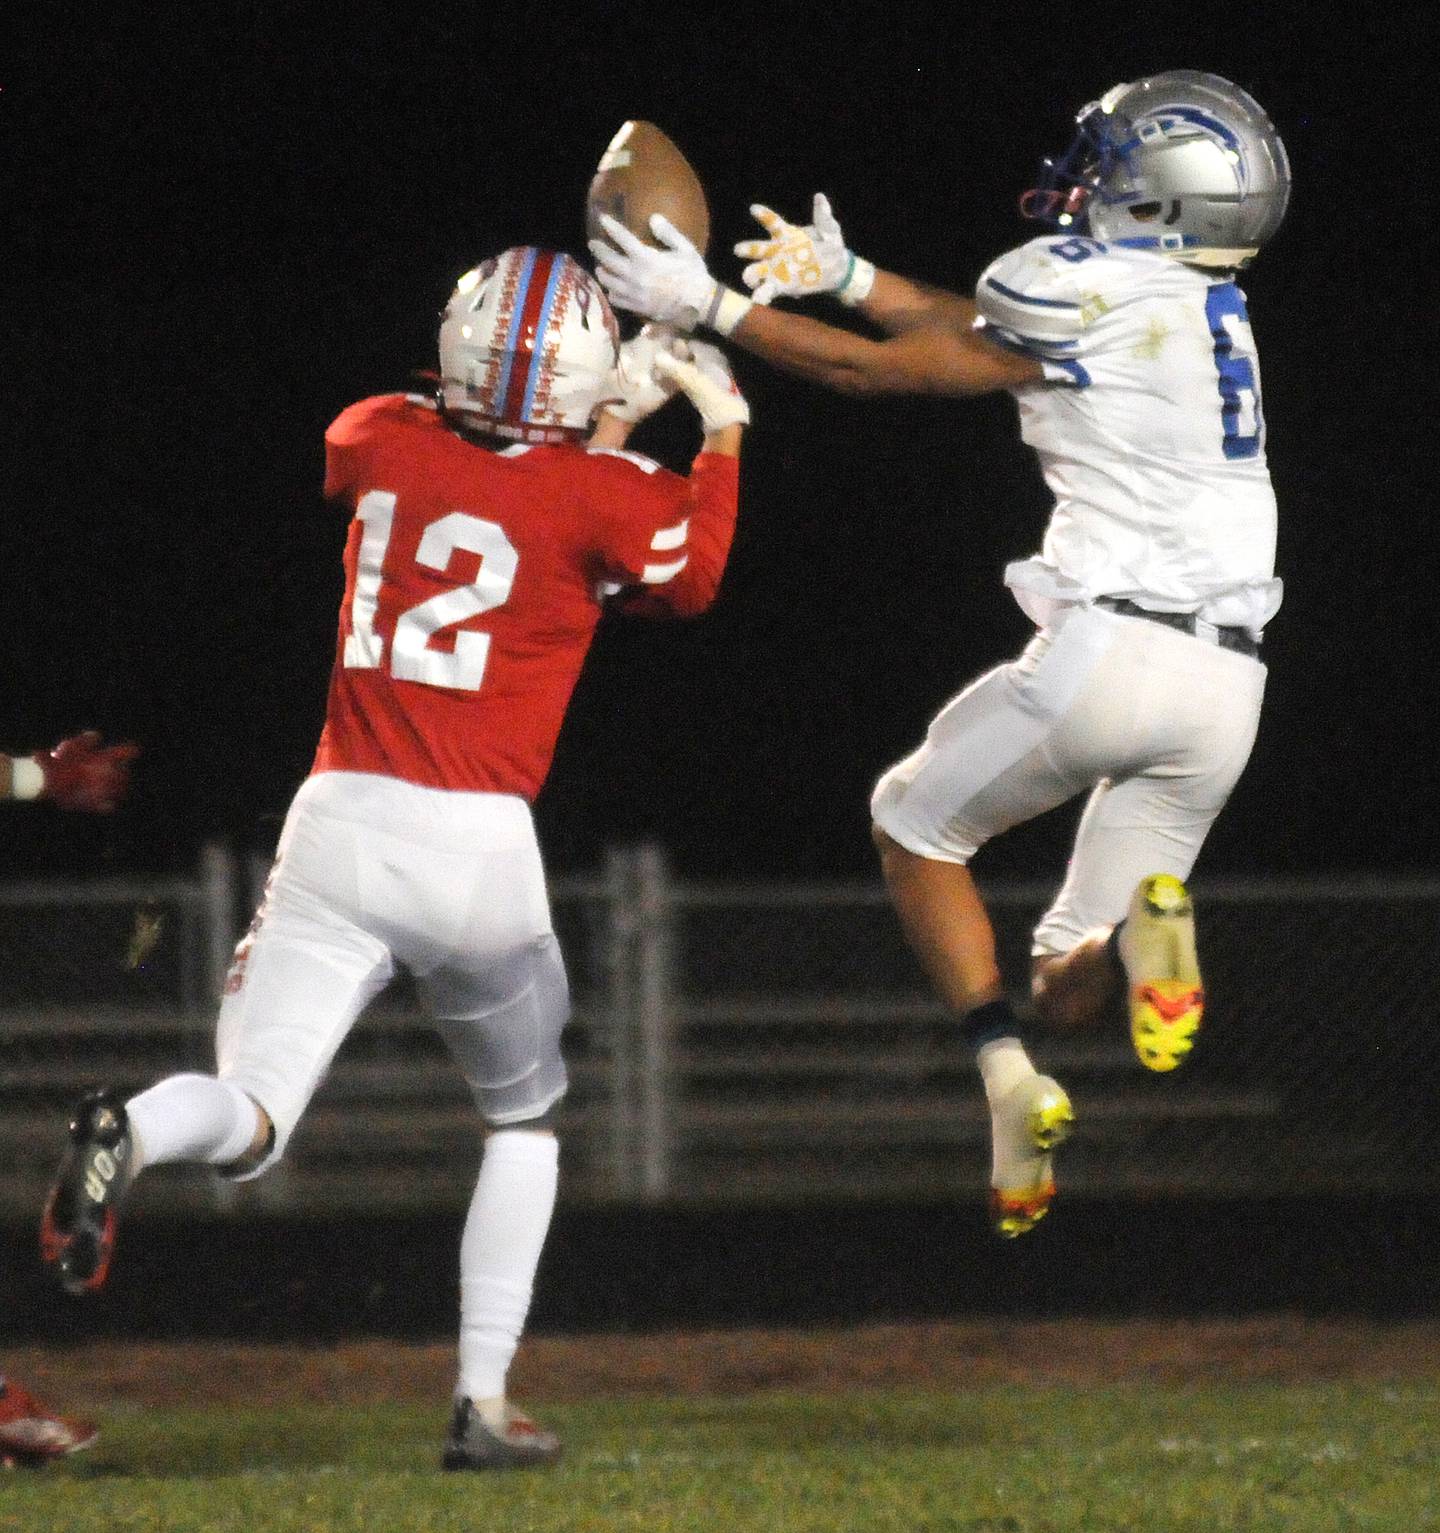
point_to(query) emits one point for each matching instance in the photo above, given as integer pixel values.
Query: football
(643, 172)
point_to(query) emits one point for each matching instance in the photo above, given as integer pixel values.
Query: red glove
(82, 774)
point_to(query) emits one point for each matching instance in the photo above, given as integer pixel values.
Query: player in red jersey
(83, 775)
(488, 529)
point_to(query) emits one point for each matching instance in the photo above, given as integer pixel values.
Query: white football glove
(670, 284)
(709, 385)
(642, 389)
(802, 259)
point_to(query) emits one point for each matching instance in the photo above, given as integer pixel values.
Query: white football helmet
(528, 347)
(1182, 163)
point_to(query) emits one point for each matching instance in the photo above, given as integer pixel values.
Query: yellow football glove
(801, 259)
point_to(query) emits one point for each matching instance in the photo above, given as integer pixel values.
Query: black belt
(1237, 639)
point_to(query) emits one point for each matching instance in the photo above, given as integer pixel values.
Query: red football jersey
(474, 580)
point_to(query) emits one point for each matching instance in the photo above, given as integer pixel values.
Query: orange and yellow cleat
(1166, 999)
(1028, 1123)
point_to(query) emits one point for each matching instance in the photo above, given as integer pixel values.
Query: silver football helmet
(528, 347)
(1182, 163)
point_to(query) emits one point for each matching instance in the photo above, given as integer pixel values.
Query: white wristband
(727, 309)
(859, 279)
(27, 778)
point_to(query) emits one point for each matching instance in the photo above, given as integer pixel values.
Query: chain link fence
(758, 1042)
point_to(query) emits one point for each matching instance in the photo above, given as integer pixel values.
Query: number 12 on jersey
(411, 659)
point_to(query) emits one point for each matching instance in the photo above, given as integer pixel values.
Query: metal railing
(758, 1041)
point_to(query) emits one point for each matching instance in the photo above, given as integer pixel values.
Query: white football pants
(372, 874)
(1156, 725)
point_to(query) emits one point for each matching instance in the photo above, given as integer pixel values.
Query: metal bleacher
(753, 1043)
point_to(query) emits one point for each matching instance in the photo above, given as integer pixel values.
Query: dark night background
(223, 226)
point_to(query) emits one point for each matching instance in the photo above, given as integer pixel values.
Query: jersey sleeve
(347, 443)
(664, 538)
(1035, 300)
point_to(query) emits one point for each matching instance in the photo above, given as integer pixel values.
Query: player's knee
(1072, 990)
(1047, 995)
(542, 1123)
(894, 859)
(264, 1140)
(262, 1144)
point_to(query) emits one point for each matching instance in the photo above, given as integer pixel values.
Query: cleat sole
(1014, 1214)
(1166, 999)
(77, 1228)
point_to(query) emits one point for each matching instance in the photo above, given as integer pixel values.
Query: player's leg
(1145, 964)
(500, 1249)
(498, 990)
(949, 930)
(511, 1056)
(300, 977)
(1129, 869)
(1122, 927)
(987, 764)
(945, 923)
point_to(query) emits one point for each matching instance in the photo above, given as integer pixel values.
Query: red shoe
(31, 1435)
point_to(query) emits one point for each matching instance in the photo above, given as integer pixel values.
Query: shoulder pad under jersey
(1049, 292)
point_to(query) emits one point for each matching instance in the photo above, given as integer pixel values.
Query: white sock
(192, 1117)
(1014, 1162)
(1003, 1064)
(499, 1252)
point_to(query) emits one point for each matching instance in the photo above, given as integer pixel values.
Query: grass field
(1265, 1424)
(1299, 1459)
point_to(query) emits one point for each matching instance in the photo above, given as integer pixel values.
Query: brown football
(642, 172)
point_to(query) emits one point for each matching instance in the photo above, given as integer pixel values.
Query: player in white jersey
(1127, 347)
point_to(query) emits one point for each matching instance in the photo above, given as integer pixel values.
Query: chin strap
(1166, 243)
(1189, 249)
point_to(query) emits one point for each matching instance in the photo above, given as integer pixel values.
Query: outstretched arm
(805, 260)
(936, 354)
(899, 304)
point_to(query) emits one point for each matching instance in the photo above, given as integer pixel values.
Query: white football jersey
(1149, 431)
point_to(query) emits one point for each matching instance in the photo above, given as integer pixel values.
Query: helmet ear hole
(1190, 151)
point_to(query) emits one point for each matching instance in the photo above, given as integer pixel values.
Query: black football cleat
(519, 1444)
(77, 1229)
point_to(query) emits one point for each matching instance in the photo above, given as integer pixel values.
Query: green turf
(1151, 1460)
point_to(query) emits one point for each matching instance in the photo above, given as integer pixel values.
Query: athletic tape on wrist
(727, 309)
(859, 278)
(27, 778)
